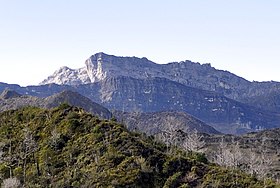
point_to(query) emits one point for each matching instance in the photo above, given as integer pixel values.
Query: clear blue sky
(38, 37)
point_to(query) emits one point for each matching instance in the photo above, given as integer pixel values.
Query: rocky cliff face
(151, 95)
(102, 66)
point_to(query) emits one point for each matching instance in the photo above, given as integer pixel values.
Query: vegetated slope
(256, 152)
(67, 147)
(10, 99)
(153, 123)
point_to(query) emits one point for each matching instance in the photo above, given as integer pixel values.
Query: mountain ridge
(101, 66)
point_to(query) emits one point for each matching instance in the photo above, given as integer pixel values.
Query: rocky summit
(102, 66)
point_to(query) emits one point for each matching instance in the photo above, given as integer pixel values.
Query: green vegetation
(67, 147)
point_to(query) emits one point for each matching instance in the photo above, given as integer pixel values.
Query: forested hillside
(67, 147)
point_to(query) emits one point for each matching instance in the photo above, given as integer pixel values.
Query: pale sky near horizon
(38, 37)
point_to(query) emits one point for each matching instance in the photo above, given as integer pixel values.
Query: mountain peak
(8, 93)
(101, 66)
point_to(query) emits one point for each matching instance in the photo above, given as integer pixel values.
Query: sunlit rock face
(67, 76)
(101, 66)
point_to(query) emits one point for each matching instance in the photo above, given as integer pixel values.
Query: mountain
(269, 101)
(219, 98)
(153, 123)
(202, 76)
(7, 94)
(16, 101)
(158, 94)
(67, 147)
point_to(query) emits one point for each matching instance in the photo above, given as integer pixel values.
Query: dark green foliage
(224, 178)
(75, 149)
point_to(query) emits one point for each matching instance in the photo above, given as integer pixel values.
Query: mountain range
(202, 76)
(219, 98)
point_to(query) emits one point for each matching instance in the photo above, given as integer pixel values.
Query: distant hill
(67, 147)
(153, 123)
(10, 99)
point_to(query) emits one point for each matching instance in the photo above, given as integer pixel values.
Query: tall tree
(29, 147)
(194, 142)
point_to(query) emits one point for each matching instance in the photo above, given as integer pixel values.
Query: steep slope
(156, 122)
(269, 101)
(151, 95)
(70, 97)
(66, 147)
